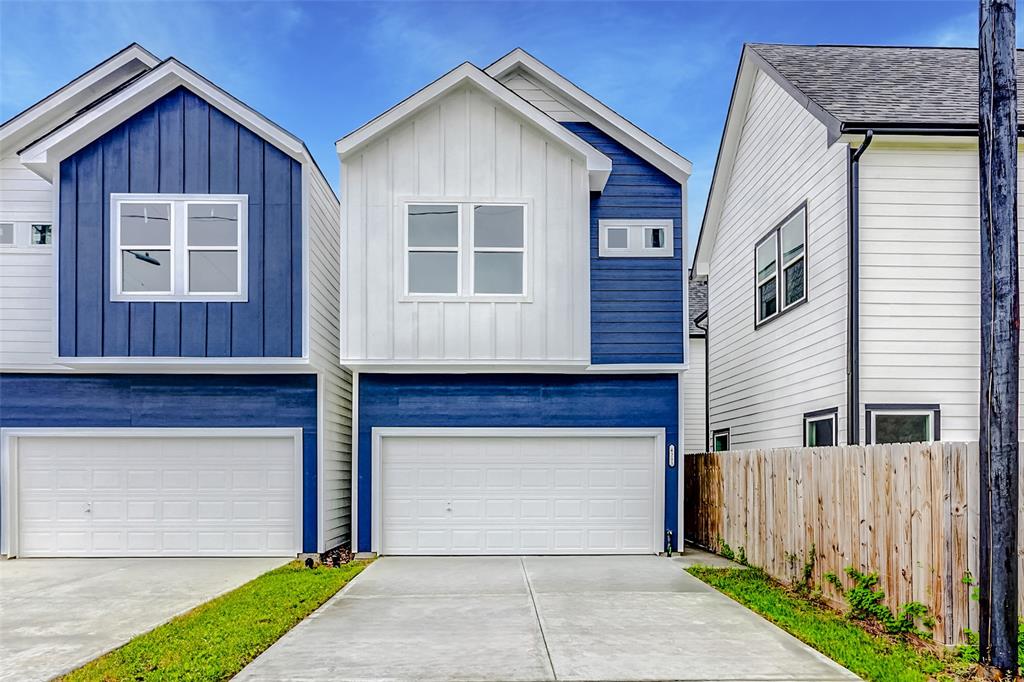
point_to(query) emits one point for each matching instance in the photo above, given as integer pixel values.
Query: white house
(840, 245)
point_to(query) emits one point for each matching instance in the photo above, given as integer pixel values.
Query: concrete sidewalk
(536, 618)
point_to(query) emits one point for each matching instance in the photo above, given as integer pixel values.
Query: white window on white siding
(821, 428)
(42, 234)
(6, 234)
(494, 264)
(780, 267)
(169, 247)
(635, 238)
(901, 423)
(720, 440)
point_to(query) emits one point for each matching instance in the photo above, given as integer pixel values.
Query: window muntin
(179, 247)
(780, 268)
(635, 238)
(42, 234)
(720, 440)
(821, 428)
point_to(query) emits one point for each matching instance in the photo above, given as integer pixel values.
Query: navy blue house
(171, 396)
(513, 307)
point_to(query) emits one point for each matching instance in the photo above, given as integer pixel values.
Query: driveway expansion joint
(536, 613)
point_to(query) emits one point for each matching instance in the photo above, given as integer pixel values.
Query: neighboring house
(832, 156)
(513, 306)
(695, 403)
(169, 312)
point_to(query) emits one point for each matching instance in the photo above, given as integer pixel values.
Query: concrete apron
(536, 618)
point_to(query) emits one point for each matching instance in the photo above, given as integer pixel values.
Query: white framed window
(6, 234)
(914, 423)
(821, 428)
(635, 238)
(720, 440)
(42, 234)
(466, 250)
(780, 267)
(179, 247)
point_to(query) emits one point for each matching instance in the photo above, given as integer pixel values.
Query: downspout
(703, 317)
(853, 314)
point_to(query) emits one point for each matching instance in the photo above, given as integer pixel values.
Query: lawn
(873, 657)
(217, 639)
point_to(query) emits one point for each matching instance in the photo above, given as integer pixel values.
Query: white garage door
(99, 496)
(543, 493)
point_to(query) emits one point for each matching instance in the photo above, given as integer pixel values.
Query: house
(695, 425)
(514, 318)
(841, 249)
(169, 383)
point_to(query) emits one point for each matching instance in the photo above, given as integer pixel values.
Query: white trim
(637, 235)
(378, 434)
(900, 412)
(598, 165)
(9, 463)
(680, 538)
(623, 131)
(504, 366)
(826, 416)
(321, 399)
(354, 484)
(228, 365)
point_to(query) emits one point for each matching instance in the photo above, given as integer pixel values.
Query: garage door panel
(534, 494)
(156, 495)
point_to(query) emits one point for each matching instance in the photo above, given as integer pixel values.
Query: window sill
(178, 298)
(793, 306)
(440, 298)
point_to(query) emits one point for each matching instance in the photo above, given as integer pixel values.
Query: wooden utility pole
(1000, 335)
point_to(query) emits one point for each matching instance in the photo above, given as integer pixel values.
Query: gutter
(853, 304)
(703, 317)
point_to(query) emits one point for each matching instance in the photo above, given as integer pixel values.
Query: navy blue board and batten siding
(514, 401)
(181, 144)
(636, 313)
(172, 401)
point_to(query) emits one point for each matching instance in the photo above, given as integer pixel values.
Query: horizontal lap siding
(513, 401)
(920, 272)
(181, 144)
(636, 303)
(171, 401)
(694, 399)
(763, 380)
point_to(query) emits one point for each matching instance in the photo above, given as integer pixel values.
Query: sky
(322, 69)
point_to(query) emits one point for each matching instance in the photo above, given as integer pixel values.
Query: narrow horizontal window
(902, 423)
(638, 238)
(780, 267)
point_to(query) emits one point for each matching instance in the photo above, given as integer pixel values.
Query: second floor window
(178, 247)
(780, 267)
(465, 249)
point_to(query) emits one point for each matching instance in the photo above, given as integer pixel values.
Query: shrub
(867, 603)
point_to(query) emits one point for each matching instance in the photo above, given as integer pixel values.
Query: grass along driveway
(217, 639)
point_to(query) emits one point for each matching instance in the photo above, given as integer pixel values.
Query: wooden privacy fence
(908, 512)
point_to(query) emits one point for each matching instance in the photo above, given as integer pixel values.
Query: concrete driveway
(536, 618)
(57, 614)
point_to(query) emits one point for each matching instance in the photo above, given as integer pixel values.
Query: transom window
(901, 423)
(178, 247)
(23, 235)
(492, 265)
(780, 272)
(637, 238)
(820, 428)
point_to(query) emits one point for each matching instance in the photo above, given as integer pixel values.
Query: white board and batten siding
(920, 270)
(335, 383)
(26, 272)
(464, 147)
(763, 380)
(694, 399)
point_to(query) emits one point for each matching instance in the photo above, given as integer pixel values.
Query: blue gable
(172, 401)
(181, 144)
(514, 400)
(636, 304)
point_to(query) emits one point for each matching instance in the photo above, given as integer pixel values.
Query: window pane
(212, 271)
(42, 234)
(765, 259)
(146, 224)
(902, 428)
(500, 226)
(432, 272)
(794, 282)
(766, 302)
(618, 237)
(721, 442)
(145, 270)
(434, 225)
(654, 237)
(793, 237)
(6, 233)
(498, 273)
(821, 433)
(213, 225)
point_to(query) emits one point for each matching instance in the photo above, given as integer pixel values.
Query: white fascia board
(598, 165)
(670, 162)
(91, 85)
(43, 156)
(175, 365)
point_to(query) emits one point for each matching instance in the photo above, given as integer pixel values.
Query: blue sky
(321, 69)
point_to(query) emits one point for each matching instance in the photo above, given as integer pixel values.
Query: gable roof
(598, 165)
(597, 113)
(877, 87)
(65, 102)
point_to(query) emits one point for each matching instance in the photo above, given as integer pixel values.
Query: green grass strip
(871, 656)
(217, 639)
